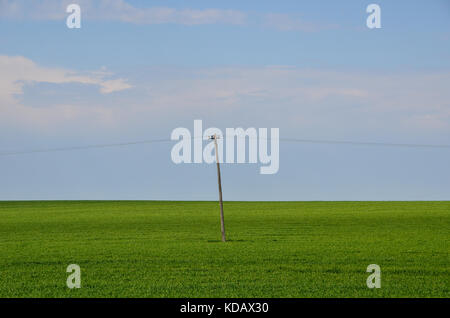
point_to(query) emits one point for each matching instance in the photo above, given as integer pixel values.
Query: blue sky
(138, 69)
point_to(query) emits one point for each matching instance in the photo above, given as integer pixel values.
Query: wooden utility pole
(222, 221)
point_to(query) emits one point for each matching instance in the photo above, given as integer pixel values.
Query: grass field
(173, 249)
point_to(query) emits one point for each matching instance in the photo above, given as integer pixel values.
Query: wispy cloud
(123, 11)
(287, 22)
(18, 71)
(307, 99)
(118, 10)
(15, 71)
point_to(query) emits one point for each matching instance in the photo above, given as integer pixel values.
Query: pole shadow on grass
(229, 241)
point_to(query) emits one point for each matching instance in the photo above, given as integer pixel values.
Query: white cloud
(118, 10)
(311, 99)
(17, 71)
(287, 22)
(321, 101)
(123, 11)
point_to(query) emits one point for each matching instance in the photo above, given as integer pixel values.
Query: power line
(296, 140)
(363, 143)
(84, 147)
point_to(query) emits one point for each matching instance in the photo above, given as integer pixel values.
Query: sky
(136, 70)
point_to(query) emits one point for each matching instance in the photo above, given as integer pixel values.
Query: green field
(173, 249)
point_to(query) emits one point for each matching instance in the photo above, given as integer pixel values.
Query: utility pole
(219, 180)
